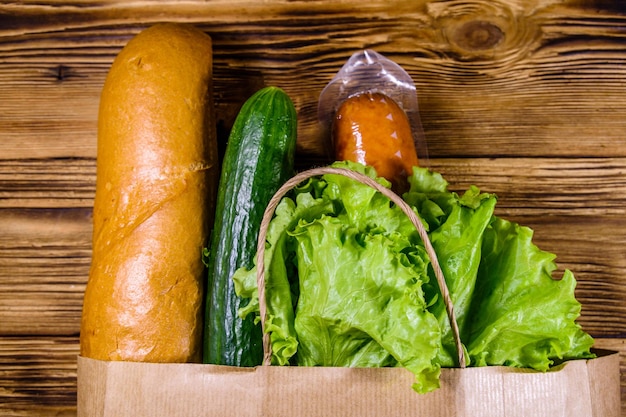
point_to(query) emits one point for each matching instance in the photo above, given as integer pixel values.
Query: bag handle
(304, 175)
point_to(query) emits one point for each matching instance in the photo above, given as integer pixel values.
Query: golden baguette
(157, 174)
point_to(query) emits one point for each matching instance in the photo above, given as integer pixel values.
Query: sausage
(156, 179)
(372, 129)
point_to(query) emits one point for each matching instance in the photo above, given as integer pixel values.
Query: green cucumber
(258, 159)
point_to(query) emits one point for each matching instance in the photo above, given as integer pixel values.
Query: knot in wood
(478, 35)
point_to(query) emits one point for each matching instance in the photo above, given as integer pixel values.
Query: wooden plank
(575, 208)
(525, 186)
(41, 292)
(574, 186)
(47, 183)
(38, 376)
(512, 94)
(44, 258)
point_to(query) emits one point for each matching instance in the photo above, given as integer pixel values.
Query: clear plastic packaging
(369, 71)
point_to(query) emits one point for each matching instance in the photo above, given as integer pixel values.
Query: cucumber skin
(258, 159)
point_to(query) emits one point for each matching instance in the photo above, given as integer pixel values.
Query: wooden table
(524, 99)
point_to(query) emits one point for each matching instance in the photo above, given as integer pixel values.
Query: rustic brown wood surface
(524, 99)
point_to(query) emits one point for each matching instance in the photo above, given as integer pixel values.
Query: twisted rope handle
(297, 179)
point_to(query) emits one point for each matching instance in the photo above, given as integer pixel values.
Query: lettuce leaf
(522, 316)
(361, 301)
(457, 241)
(348, 282)
(359, 270)
(509, 308)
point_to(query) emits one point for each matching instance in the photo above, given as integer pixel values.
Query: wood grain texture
(538, 83)
(575, 207)
(526, 99)
(38, 376)
(46, 253)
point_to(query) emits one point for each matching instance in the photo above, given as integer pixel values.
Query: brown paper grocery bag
(577, 388)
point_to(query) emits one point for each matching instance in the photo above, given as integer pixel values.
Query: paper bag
(577, 388)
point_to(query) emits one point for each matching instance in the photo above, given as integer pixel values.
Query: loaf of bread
(157, 171)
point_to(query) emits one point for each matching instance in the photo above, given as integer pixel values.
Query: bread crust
(157, 170)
